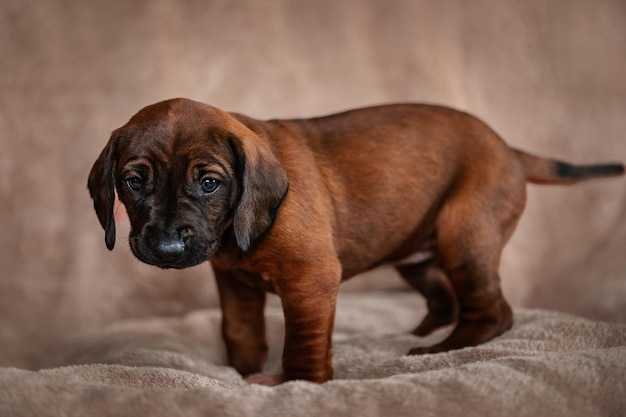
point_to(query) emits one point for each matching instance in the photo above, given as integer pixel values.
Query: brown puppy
(297, 206)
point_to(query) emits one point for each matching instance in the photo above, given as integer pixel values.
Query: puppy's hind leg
(430, 281)
(471, 233)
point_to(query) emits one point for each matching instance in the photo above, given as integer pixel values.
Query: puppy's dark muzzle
(165, 248)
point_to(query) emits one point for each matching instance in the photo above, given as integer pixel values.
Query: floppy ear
(263, 185)
(102, 191)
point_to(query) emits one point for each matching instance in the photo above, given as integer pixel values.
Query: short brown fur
(302, 205)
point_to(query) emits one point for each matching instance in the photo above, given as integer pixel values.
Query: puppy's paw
(263, 379)
(444, 332)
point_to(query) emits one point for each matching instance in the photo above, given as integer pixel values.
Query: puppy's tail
(550, 171)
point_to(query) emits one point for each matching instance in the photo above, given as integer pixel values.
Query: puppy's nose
(169, 248)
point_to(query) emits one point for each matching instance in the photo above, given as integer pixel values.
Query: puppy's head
(188, 174)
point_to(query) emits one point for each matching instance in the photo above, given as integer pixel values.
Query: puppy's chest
(249, 277)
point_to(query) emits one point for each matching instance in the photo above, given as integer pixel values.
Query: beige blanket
(549, 364)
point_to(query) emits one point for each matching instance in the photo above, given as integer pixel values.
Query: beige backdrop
(547, 75)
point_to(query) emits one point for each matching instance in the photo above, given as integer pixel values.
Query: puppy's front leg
(243, 322)
(309, 302)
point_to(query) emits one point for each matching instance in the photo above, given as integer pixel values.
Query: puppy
(297, 206)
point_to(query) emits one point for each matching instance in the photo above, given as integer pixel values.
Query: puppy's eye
(210, 185)
(134, 183)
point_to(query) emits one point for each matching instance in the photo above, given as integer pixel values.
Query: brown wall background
(548, 76)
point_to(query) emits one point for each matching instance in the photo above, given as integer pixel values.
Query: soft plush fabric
(548, 364)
